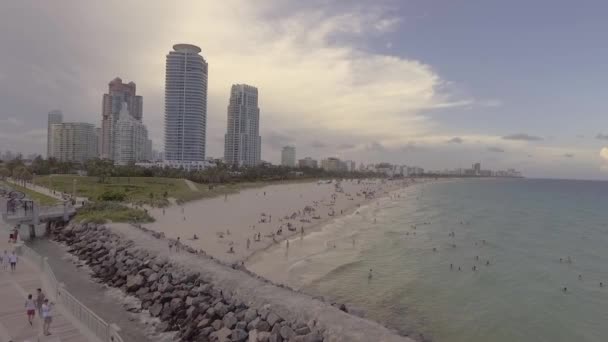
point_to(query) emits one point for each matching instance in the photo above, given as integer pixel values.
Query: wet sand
(224, 224)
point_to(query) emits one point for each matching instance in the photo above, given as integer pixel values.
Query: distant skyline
(440, 84)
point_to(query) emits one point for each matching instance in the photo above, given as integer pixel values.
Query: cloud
(604, 153)
(277, 140)
(317, 144)
(456, 140)
(522, 136)
(375, 147)
(496, 149)
(10, 122)
(568, 155)
(346, 146)
(313, 65)
(412, 146)
(601, 136)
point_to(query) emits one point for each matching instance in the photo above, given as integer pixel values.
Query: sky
(438, 84)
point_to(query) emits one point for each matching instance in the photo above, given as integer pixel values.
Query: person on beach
(287, 244)
(170, 247)
(369, 276)
(47, 316)
(13, 261)
(248, 243)
(40, 297)
(30, 308)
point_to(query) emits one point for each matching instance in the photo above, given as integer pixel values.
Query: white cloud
(10, 121)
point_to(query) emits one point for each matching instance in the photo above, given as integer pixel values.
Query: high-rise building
(130, 139)
(308, 162)
(288, 156)
(99, 141)
(185, 104)
(242, 145)
(333, 164)
(118, 93)
(55, 117)
(477, 169)
(74, 141)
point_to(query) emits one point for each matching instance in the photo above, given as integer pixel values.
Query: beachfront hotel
(54, 117)
(242, 142)
(288, 156)
(185, 105)
(74, 141)
(118, 93)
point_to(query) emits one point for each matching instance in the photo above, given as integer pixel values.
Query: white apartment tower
(130, 139)
(118, 94)
(288, 156)
(74, 141)
(55, 117)
(242, 145)
(185, 104)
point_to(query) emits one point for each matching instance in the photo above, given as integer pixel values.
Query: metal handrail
(104, 331)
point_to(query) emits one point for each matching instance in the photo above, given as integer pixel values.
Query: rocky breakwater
(207, 301)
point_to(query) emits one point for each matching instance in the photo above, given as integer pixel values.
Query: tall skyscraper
(130, 139)
(185, 104)
(242, 145)
(74, 141)
(288, 156)
(118, 93)
(55, 117)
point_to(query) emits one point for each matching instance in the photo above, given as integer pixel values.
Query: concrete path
(46, 191)
(191, 185)
(14, 288)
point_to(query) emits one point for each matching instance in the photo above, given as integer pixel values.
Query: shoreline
(318, 226)
(226, 226)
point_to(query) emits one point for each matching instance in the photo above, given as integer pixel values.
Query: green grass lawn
(102, 212)
(143, 190)
(140, 190)
(36, 196)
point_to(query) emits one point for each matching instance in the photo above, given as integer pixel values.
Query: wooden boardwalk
(14, 288)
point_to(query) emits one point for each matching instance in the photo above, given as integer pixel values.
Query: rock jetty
(212, 302)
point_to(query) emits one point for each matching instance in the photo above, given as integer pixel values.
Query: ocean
(513, 231)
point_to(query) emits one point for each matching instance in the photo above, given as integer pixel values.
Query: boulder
(134, 282)
(250, 315)
(287, 332)
(229, 320)
(273, 318)
(239, 335)
(217, 324)
(156, 309)
(263, 326)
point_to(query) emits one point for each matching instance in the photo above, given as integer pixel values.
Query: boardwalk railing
(96, 325)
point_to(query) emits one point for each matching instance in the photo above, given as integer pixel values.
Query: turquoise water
(527, 225)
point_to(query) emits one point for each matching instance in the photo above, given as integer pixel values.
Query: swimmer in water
(434, 249)
(580, 277)
(488, 263)
(451, 266)
(369, 276)
(565, 289)
(474, 268)
(459, 268)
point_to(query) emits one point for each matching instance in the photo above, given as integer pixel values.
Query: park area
(153, 191)
(33, 195)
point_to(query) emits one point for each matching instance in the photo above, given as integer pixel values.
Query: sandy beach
(234, 227)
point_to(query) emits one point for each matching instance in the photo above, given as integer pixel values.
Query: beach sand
(224, 224)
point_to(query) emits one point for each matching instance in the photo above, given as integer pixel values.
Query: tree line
(219, 174)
